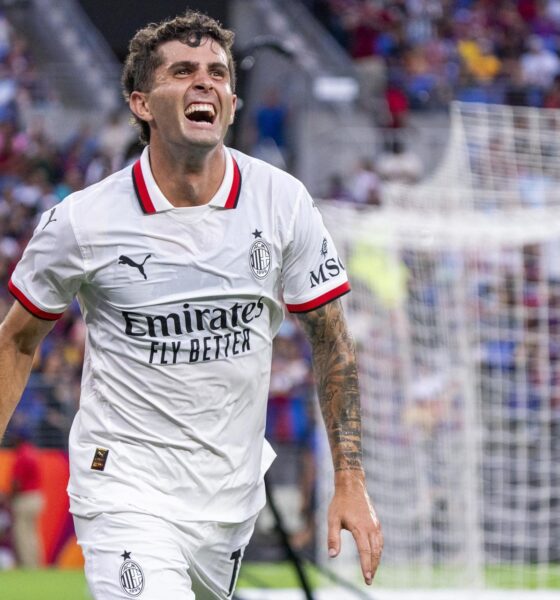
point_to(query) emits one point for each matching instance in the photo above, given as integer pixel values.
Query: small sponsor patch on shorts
(100, 459)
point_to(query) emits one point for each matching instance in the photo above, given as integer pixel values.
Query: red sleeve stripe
(321, 300)
(233, 197)
(28, 305)
(141, 189)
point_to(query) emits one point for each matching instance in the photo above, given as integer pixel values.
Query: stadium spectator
(290, 383)
(58, 393)
(480, 61)
(269, 131)
(72, 181)
(364, 184)
(13, 146)
(27, 501)
(398, 106)
(271, 120)
(114, 138)
(98, 168)
(291, 425)
(7, 558)
(398, 164)
(552, 97)
(337, 189)
(539, 67)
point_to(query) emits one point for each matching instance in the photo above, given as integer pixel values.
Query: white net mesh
(456, 313)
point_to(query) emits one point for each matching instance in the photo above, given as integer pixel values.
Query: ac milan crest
(131, 576)
(259, 259)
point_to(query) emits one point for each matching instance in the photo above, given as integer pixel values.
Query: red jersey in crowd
(26, 475)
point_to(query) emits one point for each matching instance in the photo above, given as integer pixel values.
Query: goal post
(455, 311)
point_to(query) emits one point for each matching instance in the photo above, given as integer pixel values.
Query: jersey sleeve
(312, 273)
(51, 269)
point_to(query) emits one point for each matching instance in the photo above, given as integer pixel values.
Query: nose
(203, 81)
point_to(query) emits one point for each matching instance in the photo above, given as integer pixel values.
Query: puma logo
(124, 260)
(51, 215)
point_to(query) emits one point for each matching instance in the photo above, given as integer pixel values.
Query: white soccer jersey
(181, 305)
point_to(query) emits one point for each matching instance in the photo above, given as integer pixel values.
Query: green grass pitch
(51, 584)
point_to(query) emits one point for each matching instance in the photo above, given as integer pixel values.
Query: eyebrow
(195, 65)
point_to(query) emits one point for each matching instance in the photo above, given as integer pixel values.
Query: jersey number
(236, 557)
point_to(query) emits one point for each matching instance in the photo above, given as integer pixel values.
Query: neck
(187, 177)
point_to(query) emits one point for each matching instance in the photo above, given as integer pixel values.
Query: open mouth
(200, 112)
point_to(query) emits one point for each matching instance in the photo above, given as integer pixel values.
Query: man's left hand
(352, 509)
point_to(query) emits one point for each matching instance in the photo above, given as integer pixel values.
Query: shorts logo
(131, 576)
(259, 259)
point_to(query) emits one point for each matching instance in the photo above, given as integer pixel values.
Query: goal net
(455, 311)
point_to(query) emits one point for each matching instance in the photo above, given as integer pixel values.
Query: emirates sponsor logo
(176, 337)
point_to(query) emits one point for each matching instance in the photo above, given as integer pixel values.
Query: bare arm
(334, 363)
(20, 335)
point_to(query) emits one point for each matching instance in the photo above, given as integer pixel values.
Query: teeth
(200, 107)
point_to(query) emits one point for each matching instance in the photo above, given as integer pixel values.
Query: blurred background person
(27, 501)
(7, 558)
(364, 184)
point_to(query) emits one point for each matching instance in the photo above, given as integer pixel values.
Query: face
(191, 101)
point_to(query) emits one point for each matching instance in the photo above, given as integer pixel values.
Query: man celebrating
(181, 264)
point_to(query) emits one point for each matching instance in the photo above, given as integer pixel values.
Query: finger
(364, 551)
(376, 544)
(333, 537)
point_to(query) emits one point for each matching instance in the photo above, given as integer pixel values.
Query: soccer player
(181, 264)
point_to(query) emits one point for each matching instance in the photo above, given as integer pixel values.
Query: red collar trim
(141, 190)
(147, 205)
(233, 197)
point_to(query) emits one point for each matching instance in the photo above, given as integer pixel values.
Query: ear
(233, 107)
(139, 105)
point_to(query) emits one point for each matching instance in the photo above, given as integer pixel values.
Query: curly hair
(143, 57)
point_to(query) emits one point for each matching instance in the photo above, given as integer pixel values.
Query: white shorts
(130, 555)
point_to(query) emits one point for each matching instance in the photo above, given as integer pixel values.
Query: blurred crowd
(424, 53)
(415, 56)
(268, 138)
(363, 185)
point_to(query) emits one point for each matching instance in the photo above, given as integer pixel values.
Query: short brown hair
(143, 57)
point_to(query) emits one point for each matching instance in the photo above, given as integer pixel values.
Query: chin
(203, 139)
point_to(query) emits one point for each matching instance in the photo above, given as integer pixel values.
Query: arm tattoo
(334, 363)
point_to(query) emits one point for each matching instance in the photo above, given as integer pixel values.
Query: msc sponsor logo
(327, 270)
